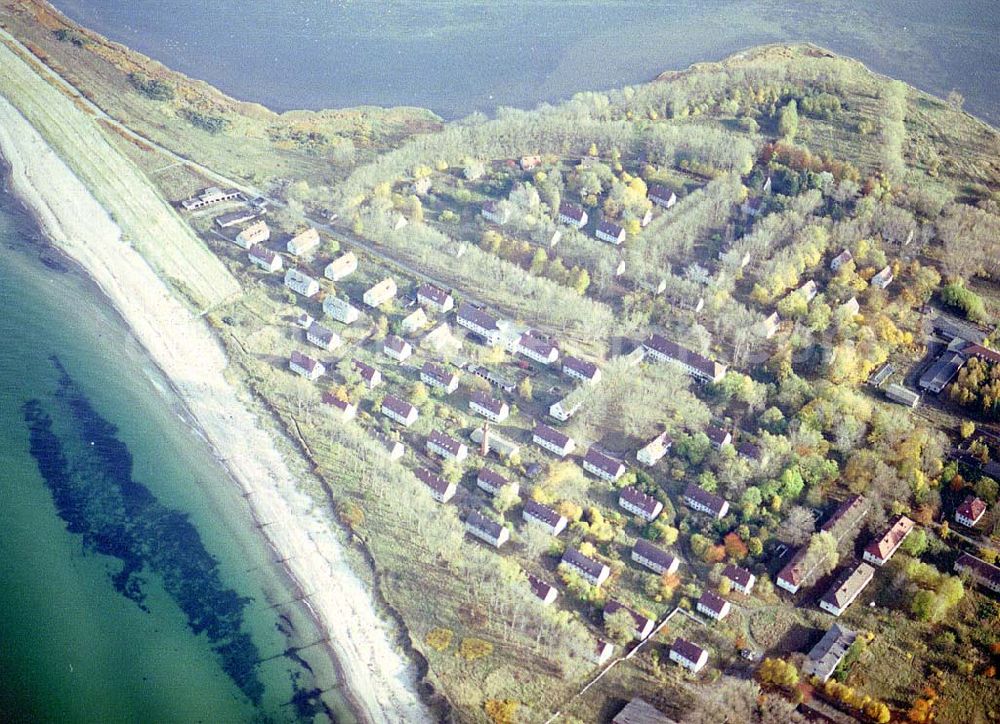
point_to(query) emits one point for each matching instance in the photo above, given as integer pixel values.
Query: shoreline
(375, 681)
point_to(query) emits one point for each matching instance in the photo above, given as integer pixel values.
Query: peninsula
(680, 399)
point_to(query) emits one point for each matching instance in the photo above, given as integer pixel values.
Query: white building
(552, 440)
(691, 657)
(397, 348)
(340, 309)
(380, 293)
(261, 256)
(303, 243)
(713, 605)
(490, 408)
(399, 410)
(447, 447)
(413, 322)
(603, 466)
(655, 449)
(435, 297)
(341, 267)
(301, 283)
(306, 366)
(438, 377)
(257, 233)
(322, 337)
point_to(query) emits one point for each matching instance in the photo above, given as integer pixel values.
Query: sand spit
(379, 680)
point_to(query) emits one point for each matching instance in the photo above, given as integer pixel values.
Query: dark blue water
(461, 56)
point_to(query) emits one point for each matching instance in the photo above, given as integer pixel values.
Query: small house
(602, 652)
(303, 242)
(971, 511)
(691, 657)
(841, 259)
(883, 279)
(544, 516)
(572, 214)
(643, 625)
(580, 369)
(610, 232)
(306, 366)
(478, 321)
(713, 605)
(770, 325)
(703, 501)
(662, 196)
(851, 307)
(824, 658)
(809, 290)
(256, 233)
(346, 410)
(446, 447)
(565, 408)
(980, 571)
(397, 348)
(653, 451)
(594, 572)
(264, 258)
(413, 322)
(718, 437)
(603, 466)
(879, 551)
(654, 558)
(380, 293)
(301, 283)
(438, 377)
(435, 297)
(340, 309)
(537, 349)
(441, 490)
(498, 213)
(638, 503)
(399, 410)
(486, 530)
(322, 337)
(544, 592)
(846, 588)
(341, 267)
(235, 218)
(491, 481)
(701, 368)
(741, 579)
(394, 449)
(898, 393)
(552, 440)
(371, 376)
(492, 409)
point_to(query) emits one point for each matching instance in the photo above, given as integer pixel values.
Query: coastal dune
(379, 681)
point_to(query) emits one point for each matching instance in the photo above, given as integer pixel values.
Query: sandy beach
(378, 679)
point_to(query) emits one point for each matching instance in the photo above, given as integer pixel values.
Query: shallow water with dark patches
(133, 583)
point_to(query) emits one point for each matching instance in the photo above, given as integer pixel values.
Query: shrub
(472, 649)
(439, 638)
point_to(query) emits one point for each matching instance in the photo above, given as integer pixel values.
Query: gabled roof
(485, 401)
(688, 650)
(434, 293)
(700, 495)
(444, 441)
(432, 481)
(749, 450)
(491, 477)
(551, 435)
(984, 353)
(980, 568)
(542, 512)
(303, 361)
(972, 507)
(890, 540)
(580, 366)
(575, 558)
(536, 345)
(660, 192)
(364, 369)
(395, 343)
(539, 587)
(397, 406)
(639, 499)
(477, 316)
(320, 332)
(480, 522)
(716, 434)
(614, 606)
(331, 399)
(258, 251)
(713, 602)
(848, 585)
(572, 211)
(664, 346)
(845, 516)
(738, 575)
(610, 228)
(603, 462)
(793, 571)
(438, 373)
(653, 553)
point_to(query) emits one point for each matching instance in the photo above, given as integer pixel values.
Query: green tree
(788, 120)
(525, 389)
(619, 626)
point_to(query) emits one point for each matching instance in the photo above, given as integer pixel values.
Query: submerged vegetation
(88, 471)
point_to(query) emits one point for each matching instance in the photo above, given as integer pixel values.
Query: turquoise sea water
(133, 586)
